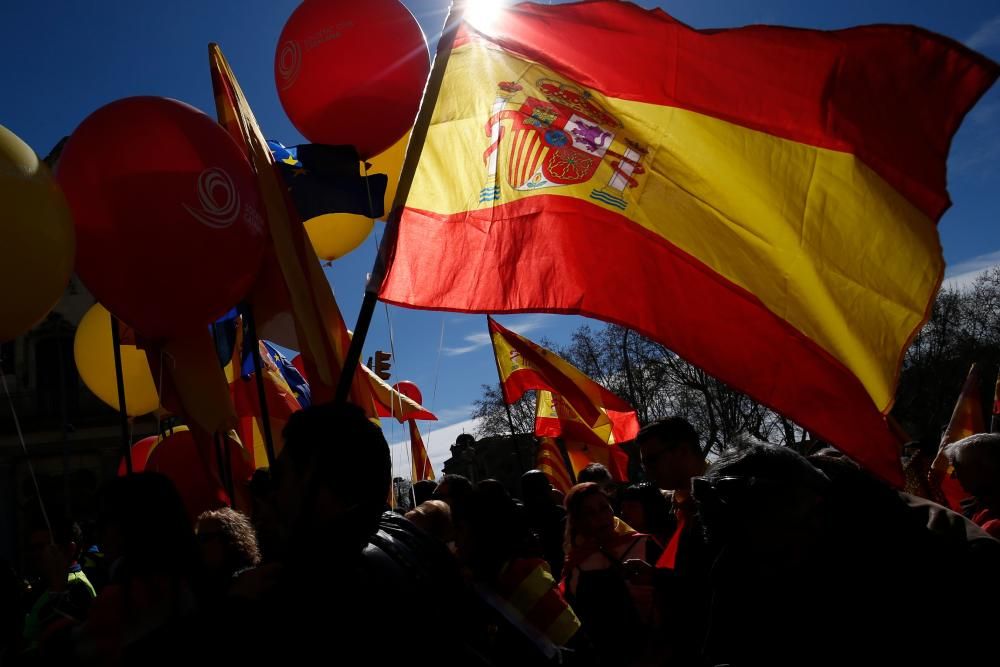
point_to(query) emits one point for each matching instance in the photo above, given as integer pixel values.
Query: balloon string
(388, 320)
(437, 371)
(24, 448)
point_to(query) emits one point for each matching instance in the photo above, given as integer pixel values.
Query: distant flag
(391, 403)
(584, 444)
(966, 420)
(524, 365)
(325, 179)
(281, 402)
(551, 462)
(761, 200)
(546, 418)
(418, 455)
(292, 376)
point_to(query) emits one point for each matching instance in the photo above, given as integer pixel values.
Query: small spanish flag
(966, 420)
(524, 365)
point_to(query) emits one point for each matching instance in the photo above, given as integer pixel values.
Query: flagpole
(265, 416)
(120, 380)
(418, 136)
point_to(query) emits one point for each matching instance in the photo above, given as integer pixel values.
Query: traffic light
(382, 364)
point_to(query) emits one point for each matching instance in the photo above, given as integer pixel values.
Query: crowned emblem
(558, 137)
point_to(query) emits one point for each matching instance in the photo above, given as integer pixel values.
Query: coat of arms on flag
(558, 135)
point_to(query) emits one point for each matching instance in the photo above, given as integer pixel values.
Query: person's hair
(459, 489)
(574, 503)
(434, 518)
(759, 477)
(347, 455)
(987, 444)
(497, 530)
(671, 431)
(492, 488)
(595, 472)
(423, 491)
(536, 489)
(153, 522)
(238, 536)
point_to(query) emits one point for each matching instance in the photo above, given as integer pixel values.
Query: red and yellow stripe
(551, 462)
(780, 233)
(418, 455)
(527, 585)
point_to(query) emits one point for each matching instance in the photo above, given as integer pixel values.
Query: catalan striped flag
(418, 455)
(761, 200)
(550, 461)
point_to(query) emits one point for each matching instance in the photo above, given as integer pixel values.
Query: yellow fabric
(791, 223)
(555, 406)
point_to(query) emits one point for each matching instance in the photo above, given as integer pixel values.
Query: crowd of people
(763, 557)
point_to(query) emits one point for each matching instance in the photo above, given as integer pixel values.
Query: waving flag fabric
(761, 200)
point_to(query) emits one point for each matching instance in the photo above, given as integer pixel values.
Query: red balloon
(169, 225)
(351, 72)
(410, 390)
(195, 473)
(140, 453)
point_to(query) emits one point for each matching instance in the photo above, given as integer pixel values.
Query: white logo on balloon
(219, 200)
(289, 62)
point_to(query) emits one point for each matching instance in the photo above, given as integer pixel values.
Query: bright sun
(481, 14)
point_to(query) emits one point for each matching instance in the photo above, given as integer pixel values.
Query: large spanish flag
(761, 200)
(524, 365)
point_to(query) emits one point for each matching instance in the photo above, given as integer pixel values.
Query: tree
(489, 410)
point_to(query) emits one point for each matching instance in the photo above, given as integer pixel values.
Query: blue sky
(62, 59)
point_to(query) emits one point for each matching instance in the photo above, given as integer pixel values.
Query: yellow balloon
(95, 361)
(335, 234)
(36, 238)
(390, 163)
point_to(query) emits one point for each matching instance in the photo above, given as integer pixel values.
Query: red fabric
(679, 302)
(892, 95)
(668, 559)
(989, 522)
